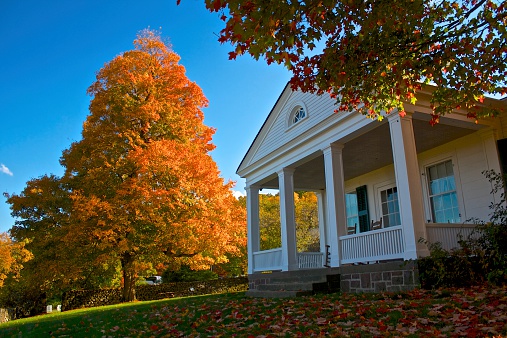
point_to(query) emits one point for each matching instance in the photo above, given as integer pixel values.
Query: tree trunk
(129, 282)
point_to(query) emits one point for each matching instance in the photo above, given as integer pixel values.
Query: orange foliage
(12, 256)
(144, 186)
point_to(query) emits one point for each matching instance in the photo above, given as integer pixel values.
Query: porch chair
(376, 225)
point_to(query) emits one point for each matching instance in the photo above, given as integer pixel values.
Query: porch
(372, 246)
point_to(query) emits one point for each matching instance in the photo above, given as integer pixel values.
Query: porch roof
(372, 150)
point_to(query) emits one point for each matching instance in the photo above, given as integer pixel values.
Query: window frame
(379, 188)
(362, 208)
(356, 215)
(295, 108)
(427, 190)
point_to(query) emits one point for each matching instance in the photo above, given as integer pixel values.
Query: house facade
(381, 185)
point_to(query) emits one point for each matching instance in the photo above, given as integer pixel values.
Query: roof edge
(262, 127)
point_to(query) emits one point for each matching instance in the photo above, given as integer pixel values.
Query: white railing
(310, 260)
(448, 234)
(267, 260)
(373, 245)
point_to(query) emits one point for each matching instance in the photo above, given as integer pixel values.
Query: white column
(488, 137)
(287, 219)
(408, 183)
(253, 230)
(321, 195)
(336, 217)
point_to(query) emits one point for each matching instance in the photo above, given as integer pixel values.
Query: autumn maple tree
(306, 216)
(140, 186)
(374, 56)
(43, 214)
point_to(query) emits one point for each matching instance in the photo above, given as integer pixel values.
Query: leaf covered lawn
(473, 312)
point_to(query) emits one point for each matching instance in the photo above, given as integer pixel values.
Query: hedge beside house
(89, 298)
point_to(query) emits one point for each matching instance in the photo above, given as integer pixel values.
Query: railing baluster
(372, 246)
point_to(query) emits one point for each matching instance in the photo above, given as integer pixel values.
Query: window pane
(441, 171)
(298, 115)
(454, 200)
(442, 189)
(437, 202)
(385, 211)
(444, 186)
(390, 207)
(446, 200)
(434, 187)
(448, 166)
(433, 173)
(439, 217)
(452, 183)
(351, 209)
(392, 220)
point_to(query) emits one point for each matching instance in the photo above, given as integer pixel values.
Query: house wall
(469, 159)
(502, 132)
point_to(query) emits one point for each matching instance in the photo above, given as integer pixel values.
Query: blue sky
(51, 51)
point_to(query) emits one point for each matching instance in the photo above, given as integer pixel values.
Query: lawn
(472, 312)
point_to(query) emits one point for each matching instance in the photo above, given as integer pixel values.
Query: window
(442, 190)
(356, 204)
(298, 113)
(351, 208)
(390, 207)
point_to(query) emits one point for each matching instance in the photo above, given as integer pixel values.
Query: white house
(410, 179)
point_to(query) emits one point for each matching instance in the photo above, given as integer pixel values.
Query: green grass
(475, 312)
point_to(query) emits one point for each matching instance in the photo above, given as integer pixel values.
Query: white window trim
(352, 191)
(424, 181)
(290, 113)
(377, 188)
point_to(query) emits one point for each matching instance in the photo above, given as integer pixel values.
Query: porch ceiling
(372, 150)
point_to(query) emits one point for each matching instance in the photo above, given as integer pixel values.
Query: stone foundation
(391, 276)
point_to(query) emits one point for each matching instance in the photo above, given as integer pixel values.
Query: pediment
(294, 114)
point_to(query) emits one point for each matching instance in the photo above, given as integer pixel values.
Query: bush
(76, 299)
(479, 258)
(24, 300)
(185, 274)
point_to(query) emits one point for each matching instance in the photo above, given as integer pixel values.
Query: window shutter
(362, 209)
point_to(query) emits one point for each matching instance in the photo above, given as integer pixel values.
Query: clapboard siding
(318, 108)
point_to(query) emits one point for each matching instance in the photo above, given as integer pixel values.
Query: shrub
(75, 299)
(185, 274)
(24, 300)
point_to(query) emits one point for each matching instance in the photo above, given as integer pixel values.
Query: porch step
(286, 287)
(277, 294)
(303, 278)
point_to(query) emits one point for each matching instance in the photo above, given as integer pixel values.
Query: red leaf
(217, 5)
